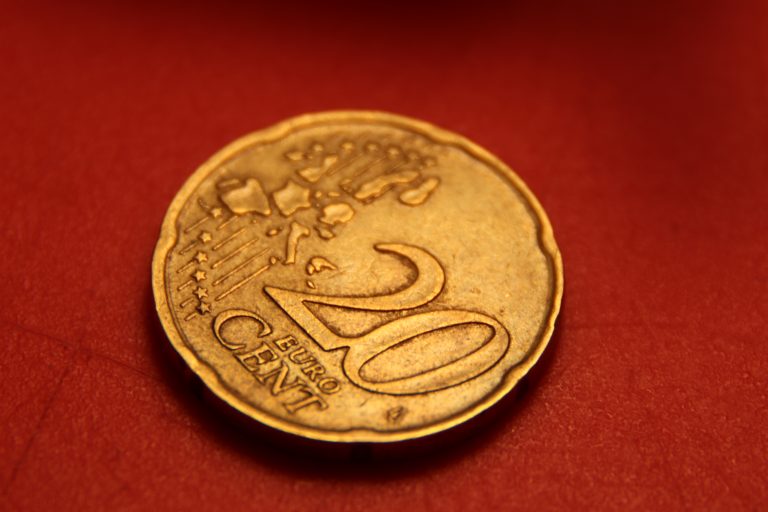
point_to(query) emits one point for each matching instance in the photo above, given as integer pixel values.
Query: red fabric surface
(642, 127)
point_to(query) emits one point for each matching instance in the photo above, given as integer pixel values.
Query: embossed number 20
(363, 349)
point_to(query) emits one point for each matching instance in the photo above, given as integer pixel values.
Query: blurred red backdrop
(641, 126)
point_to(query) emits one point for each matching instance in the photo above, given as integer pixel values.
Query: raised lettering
(328, 385)
(280, 384)
(230, 314)
(255, 358)
(285, 343)
(310, 399)
(296, 356)
(313, 371)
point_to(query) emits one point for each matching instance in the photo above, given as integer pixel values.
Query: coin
(357, 277)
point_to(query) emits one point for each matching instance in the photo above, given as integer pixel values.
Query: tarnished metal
(357, 277)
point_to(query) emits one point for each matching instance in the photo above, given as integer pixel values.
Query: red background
(642, 128)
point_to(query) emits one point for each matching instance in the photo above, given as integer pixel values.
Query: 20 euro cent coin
(357, 277)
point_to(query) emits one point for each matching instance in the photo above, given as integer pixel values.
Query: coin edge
(210, 377)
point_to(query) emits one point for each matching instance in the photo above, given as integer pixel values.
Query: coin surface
(357, 277)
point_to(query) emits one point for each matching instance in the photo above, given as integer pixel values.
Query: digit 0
(362, 350)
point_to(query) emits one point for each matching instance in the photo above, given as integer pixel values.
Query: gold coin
(357, 277)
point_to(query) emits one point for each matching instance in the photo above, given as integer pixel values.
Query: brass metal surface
(357, 277)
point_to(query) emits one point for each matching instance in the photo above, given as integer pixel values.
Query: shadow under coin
(300, 457)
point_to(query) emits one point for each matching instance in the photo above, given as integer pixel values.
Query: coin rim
(209, 376)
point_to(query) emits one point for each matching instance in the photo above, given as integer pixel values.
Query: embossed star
(204, 308)
(215, 212)
(205, 237)
(201, 257)
(201, 292)
(199, 275)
